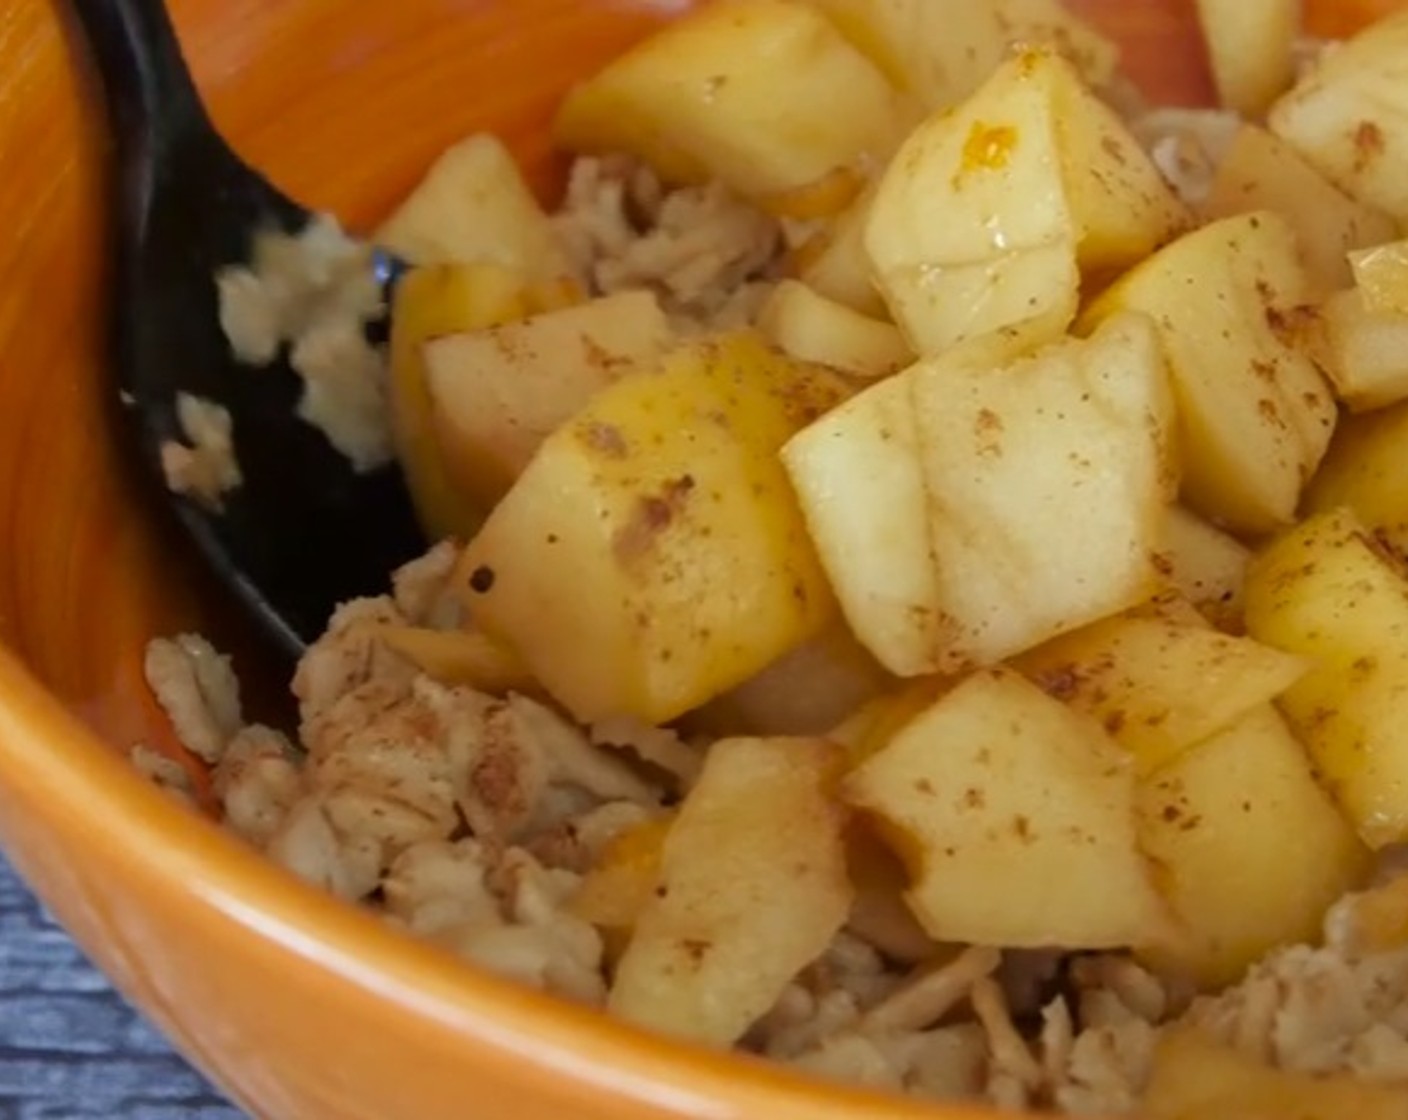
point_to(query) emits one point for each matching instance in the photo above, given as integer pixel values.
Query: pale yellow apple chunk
(940, 53)
(496, 394)
(1205, 566)
(652, 555)
(1250, 47)
(1260, 171)
(1363, 352)
(1016, 818)
(474, 205)
(1035, 179)
(1381, 275)
(434, 300)
(809, 326)
(1255, 414)
(1196, 1077)
(1251, 851)
(1158, 686)
(1328, 591)
(732, 91)
(943, 501)
(1363, 471)
(833, 261)
(1045, 484)
(752, 888)
(1349, 116)
(857, 475)
(807, 691)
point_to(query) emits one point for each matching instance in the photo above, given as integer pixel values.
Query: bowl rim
(49, 757)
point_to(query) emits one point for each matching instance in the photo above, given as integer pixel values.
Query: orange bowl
(295, 1004)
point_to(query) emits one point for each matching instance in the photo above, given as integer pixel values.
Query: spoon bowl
(303, 530)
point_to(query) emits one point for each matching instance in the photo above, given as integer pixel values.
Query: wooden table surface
(70, 1048)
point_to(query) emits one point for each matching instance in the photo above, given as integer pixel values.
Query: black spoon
(304, 531)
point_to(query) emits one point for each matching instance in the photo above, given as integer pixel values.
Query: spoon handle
(151, 96)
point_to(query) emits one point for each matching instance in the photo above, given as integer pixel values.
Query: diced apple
(1240, 878)
(1361, 351)
(805, 692)
(1251, 49)
(496, 394)
(753, 887)
(1381, 275)
(1197, 1078)
(1370, 921)
(1260, 171)
(1078, 435)
(879, 913)
(1328, 591)
(858, 476)
(658, 530)
(834, 264)
(473, 205)
(1016, 818)
(731, 92)
(1205, 566)
(1255, 414)
(1349, 116)
(940, 53)
(1363, 471)
(809, 326)
(1159, 687)
(460, 657)
(434, 300)
(619, 886)
(1037, 179)
(869, 729)
(944, 519)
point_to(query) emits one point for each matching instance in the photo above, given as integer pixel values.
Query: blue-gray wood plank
(70, 1047)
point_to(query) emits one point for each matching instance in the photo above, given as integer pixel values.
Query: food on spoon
(1255, 414)
(1039, 182)
(938, 499)
(201, 464)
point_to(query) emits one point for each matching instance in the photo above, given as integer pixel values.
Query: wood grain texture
(70, 1047)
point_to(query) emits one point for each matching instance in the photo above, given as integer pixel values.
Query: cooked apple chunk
(965, 513)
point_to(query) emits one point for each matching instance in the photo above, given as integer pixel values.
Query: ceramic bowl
(299, 1007)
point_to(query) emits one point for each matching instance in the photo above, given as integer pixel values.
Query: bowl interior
(343, 105)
